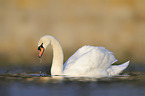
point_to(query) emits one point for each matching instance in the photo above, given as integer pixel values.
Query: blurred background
(118, 25)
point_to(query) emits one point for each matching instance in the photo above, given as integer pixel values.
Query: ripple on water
(30, 77)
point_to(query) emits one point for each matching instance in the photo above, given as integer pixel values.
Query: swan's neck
(57, 63)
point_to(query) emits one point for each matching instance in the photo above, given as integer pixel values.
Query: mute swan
(86, 61)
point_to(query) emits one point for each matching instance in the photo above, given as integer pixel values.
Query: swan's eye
(41, 46)
(41, 50)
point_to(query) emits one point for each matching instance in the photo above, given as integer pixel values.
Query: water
(40, 63)
(40, 60)
(25, 83)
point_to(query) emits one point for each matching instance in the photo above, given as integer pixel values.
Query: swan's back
(89, 61)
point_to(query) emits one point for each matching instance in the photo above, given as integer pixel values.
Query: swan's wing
(81, 51)
(88, 58)
(116, 69)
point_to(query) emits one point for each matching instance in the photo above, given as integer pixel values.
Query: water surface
(23, 83)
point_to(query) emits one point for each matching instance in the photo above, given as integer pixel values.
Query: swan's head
(42, 44)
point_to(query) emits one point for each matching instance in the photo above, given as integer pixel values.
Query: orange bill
(41, 51)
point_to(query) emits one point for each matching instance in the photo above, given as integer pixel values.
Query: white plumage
(86, 61)
(92, 61)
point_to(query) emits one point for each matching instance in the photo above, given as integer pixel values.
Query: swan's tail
(116, 69)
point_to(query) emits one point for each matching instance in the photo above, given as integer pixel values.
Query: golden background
(118, 25)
